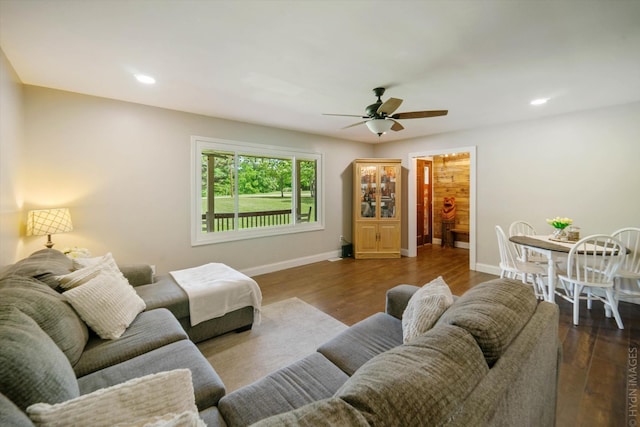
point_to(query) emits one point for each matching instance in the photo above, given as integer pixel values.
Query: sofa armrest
(398, 298)
(137, 274)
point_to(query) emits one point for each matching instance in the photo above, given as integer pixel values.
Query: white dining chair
(591, 266)
(512, 267)
(523, 228)
(627, 279)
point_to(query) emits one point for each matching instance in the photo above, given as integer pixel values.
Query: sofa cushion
(305, 381)
(32, 367)
(212, 417)
(151, 330)
(521, 389)
(47, 307)
(44, 265)
(147, 399)
(420, 383)
(494, 312)
(207, 385)
(352, 348)
(397, 299)
(11, 415)
(332, 412)
(425, 307)
(137, 274)
(106, 302)
(165, 292)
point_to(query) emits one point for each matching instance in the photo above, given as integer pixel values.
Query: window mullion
(295, 185)
(210, 219)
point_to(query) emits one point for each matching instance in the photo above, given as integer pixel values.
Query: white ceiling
(284, 63)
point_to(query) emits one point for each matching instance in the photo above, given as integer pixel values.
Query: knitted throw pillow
(106, 302)
(425, 308)
(92, 269)
(165, 398)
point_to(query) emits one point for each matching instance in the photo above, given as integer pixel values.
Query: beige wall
(582, 165)
(10, 149)
(123, 169)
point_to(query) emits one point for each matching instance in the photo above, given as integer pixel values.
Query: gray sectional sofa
(164, 292)
(47, 353)
(491, 359)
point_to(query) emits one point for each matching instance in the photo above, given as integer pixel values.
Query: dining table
(553, 250)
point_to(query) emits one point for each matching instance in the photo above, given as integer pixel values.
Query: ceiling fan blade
(389, 106)
(396, 126)
(345, 115)
(420, 114)
(355, 124)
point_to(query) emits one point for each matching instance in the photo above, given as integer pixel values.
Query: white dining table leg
(551, 271)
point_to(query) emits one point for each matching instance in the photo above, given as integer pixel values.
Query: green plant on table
(560, 223)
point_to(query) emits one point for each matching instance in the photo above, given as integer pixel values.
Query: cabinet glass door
(388, 191)
(368, 189)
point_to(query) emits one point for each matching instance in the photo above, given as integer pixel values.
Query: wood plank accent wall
(451, 178)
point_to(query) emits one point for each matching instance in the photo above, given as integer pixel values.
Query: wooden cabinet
(376, 209)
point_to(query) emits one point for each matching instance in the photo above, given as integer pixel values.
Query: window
(242, 190)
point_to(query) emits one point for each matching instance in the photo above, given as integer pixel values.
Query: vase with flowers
(559, 224)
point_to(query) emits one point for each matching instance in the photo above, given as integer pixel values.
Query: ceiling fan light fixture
(379, 126)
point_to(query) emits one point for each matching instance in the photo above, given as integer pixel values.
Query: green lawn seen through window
(259, 202)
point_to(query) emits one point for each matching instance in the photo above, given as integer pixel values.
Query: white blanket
(216, 289)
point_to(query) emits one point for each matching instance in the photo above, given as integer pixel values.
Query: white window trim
(201, 143)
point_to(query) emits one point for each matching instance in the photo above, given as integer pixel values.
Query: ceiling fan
(380, 117)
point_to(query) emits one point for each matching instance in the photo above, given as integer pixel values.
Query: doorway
(424, 202)
(412, 192)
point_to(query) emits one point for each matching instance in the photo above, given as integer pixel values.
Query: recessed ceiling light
(148, 80)
(539, 101)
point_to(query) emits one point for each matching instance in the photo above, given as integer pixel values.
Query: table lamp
(47, 222)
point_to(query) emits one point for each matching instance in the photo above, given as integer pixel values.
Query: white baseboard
(296, 262)
(488, 268)
(290, 263)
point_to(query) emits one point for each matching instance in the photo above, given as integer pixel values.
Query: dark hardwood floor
(598, 383)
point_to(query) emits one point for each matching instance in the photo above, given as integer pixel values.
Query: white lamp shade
(379, 126)
(48, 221)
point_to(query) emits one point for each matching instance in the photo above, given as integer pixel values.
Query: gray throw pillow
(44, 265)
(11, 415)
(494, 312)
(48, 308)
(32, 368)
(421, 383)
(332, 412)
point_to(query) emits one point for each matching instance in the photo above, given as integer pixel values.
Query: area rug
(290, 330)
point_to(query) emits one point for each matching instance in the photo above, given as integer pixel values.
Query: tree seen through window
(241, 191)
